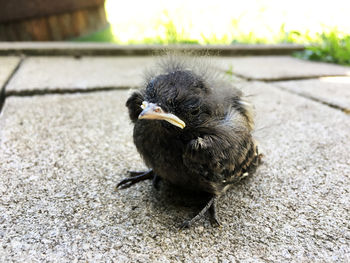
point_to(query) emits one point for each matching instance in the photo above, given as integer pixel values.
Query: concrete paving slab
(62, 156)
(110, 49)
(279, 68)
(60, 73)
(331, 90)
(7, 65)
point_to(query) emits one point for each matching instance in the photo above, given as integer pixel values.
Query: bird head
(176, 98)
(152, 111)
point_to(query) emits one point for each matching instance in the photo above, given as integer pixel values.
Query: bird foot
(211, 208)
(214, 216)
(136, 177)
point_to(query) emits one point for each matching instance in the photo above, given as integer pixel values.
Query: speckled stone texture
(331, 90)
(62, 156)
(62, 73)
(279, 67)
(7, 65)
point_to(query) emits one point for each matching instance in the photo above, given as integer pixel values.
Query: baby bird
(192, 129)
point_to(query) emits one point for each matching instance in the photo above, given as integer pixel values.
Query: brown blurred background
(45, 20)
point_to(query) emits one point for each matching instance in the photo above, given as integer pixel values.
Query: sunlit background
(224, 21)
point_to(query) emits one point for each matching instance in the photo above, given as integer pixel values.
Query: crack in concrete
(329, 104)
(62, 91)
(3, 88)
(73, 90)
(272, 80)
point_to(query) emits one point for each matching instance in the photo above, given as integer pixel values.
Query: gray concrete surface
(62, 73)
(331, 90)
(279, 68)
(62, 156)
(110, 49)
(7, 65)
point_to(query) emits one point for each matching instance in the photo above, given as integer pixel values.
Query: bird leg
(155, 181)
(211, 207)
(137, 177)
(135, 173)
(213, 214)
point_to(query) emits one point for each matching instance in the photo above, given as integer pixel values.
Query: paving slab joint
(62, 91)
(329, 104)
(271, 80)
(3, 88)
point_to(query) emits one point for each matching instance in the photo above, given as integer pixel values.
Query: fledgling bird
(192, 129)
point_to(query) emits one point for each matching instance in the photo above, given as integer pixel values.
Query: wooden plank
(12, 10)
(54, 27)
(10, 32)
(39, 29)
(65, 24)
(78, 23)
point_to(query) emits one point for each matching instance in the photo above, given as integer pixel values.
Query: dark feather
(216, 148)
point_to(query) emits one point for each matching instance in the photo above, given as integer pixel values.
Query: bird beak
(152, 111)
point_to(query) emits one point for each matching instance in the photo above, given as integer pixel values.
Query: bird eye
(144, 105)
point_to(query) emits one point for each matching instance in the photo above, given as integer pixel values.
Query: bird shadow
(172, 205)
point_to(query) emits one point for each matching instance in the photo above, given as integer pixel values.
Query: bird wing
(224, 150)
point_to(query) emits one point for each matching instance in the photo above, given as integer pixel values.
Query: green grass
(172, 36)
(329, 46)
(104, 35)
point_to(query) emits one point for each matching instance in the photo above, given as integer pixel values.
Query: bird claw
(185, 225)
(135, 178)
(211, 208)
(136, 173)
(214, 216)
(125, 183)
(216, 222)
